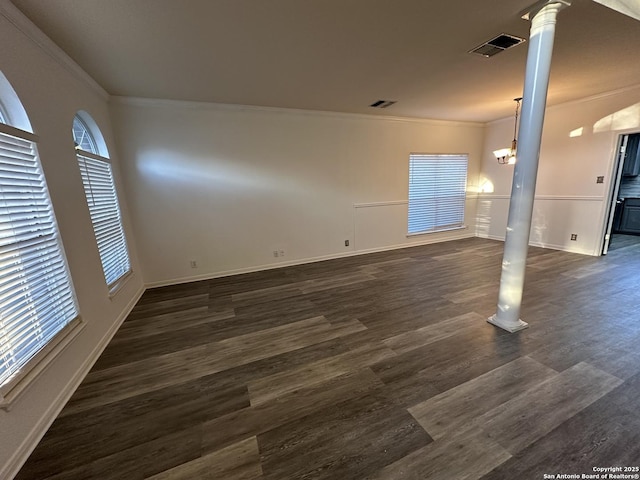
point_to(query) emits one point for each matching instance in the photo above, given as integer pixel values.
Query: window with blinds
(437, 192)
(99, 188)
(36, 295)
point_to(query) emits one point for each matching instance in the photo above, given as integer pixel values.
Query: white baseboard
(272, 266)
(550, 246)
(15, 463)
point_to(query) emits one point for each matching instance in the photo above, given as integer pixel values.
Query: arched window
(102, 199)
(37, 305)
(82, 137)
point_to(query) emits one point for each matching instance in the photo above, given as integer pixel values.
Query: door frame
(614, 186)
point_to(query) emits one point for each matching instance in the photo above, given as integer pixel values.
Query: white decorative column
(543, 21)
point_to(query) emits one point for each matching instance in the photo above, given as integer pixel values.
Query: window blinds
(99, 188)
(437, 190)
(36, 299)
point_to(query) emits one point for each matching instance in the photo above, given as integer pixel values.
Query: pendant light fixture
(508, 155)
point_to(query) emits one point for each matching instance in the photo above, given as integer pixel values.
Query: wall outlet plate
(574, 236)
(600, 179)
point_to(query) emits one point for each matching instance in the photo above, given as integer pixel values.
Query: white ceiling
(337, 55)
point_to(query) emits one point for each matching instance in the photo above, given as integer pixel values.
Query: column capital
(531, 11)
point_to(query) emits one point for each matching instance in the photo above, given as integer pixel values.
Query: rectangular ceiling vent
(497, 45)
(383, 103)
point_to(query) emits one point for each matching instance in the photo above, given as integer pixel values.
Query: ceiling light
(383, 103)
(507, 156)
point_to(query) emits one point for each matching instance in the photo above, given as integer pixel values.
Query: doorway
(623, 227)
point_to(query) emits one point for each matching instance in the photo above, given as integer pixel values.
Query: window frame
(419, 195)
(30, 367)
(84, 158)
(4, 117)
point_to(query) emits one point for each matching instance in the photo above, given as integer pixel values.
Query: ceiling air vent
(382, 103)
(497, 45)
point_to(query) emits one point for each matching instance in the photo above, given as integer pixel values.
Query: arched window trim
(82, 136)
(87, 121)
(14, 113)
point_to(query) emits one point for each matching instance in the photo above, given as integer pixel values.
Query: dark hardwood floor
(621, 240)
(372, 367)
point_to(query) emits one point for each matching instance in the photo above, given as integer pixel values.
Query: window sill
(440, 230)
(118, 284)
(16, 386)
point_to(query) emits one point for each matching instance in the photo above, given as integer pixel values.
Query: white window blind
(437, 190)
(36, 297)
(100, 191)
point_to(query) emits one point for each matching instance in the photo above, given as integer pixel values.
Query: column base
(493, 319)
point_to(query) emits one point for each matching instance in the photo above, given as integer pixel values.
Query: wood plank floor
(372, 367)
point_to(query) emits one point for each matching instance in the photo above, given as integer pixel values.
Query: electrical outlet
(281, 253)
(275, 253)
(193, 264)
(574, 236)
(346, 243)
(600, 179)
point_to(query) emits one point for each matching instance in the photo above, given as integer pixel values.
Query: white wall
(578, 145)
(51, 96)
(227, 186)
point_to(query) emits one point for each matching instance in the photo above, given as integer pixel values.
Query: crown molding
(186, 104)
(590, 98)
(18, 19)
